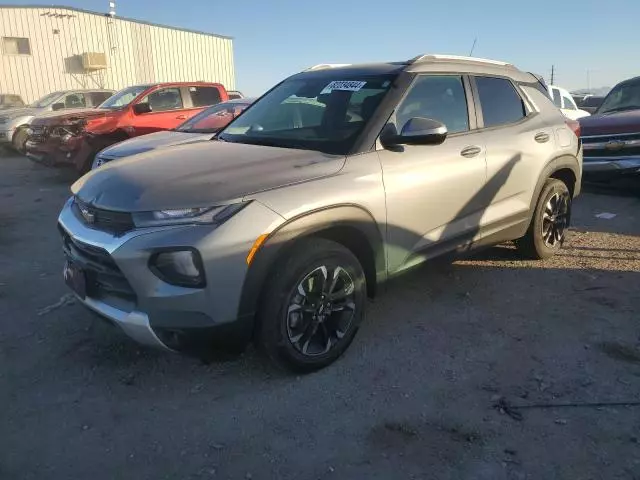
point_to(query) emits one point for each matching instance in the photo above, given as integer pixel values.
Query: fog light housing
(181, 267)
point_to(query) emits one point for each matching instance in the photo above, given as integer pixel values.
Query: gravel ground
(431, 388)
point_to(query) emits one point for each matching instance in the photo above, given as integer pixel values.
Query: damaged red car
(74, 137)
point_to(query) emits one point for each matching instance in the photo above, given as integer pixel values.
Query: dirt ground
(487, 368)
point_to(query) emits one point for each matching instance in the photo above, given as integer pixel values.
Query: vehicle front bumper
(168, 316)
(610, 166)
(55, 152)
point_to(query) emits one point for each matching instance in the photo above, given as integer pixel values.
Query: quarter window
(568, 103)
(438, 97)
(16, 46)
(164, 99)
(204, 96)
(499, 100)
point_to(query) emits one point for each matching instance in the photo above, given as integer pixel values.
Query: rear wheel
(313, 305)
(548, 229)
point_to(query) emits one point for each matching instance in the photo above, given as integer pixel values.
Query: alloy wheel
(321, 310)
(555, 219)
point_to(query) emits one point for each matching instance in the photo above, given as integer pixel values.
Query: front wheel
(313, 305)
(548, 229)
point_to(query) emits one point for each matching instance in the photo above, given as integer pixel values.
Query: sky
(276, 38)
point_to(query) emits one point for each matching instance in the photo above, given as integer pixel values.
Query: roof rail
(429, 57)
(322, 66)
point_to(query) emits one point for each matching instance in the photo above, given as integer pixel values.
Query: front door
(434, 192)
(167, 112)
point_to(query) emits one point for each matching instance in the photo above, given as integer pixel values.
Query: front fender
(307, 224)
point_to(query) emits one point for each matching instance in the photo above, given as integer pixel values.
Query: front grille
(38, 134)
(102, 274)
(110, 221)
(621, 145)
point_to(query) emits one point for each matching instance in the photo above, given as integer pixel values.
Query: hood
(144, 143)
(611, 123)
(12, 113)
(199, 175)
(70, 115)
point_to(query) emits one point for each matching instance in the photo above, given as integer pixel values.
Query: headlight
(186, 216)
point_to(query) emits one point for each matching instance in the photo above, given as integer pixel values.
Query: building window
(16, 46)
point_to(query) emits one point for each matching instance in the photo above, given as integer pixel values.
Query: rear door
(519, 140)
(167, 111)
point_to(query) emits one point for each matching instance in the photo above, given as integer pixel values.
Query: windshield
(213, 119)
(123, 97)
(45, 101)
(324, 114)
(623, 97)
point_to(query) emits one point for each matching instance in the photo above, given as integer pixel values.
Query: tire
(308, 332)
(551, 218)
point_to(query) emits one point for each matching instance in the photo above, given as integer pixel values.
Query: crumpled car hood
(199, 175)
(145, 143)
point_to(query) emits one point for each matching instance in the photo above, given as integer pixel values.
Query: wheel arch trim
(302, 226)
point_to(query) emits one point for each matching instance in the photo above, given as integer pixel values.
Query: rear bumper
(610, 166)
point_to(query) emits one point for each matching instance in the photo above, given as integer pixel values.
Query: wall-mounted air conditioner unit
(94, 61)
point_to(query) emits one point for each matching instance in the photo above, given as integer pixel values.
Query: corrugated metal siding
(136, 53)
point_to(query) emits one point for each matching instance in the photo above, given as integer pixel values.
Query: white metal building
(43, 49)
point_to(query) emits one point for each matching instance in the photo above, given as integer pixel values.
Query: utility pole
(588, 80)
(553, 72)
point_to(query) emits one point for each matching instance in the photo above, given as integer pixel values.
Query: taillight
(573, 125)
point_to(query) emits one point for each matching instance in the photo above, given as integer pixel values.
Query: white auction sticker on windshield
(348, 85)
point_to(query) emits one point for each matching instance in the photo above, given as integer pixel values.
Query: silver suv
(337, 179)
(14, 121)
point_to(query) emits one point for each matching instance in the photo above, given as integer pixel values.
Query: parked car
(10, 101)
(14, 122)
(234, 94)
(199, 128)
(73, 138)
(334, 181)
(611, 136)
(589, 103)
(565, 102)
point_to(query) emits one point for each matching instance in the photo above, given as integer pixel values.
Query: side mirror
(57, 106)
(417, 131)
(141, 108)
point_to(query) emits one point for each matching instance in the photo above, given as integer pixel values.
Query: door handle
(471, 151)
(181, 117)
(541, 137)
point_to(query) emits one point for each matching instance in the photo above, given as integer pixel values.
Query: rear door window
(557, 97)
(500, 102)
(98, 97)
(204, 96)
